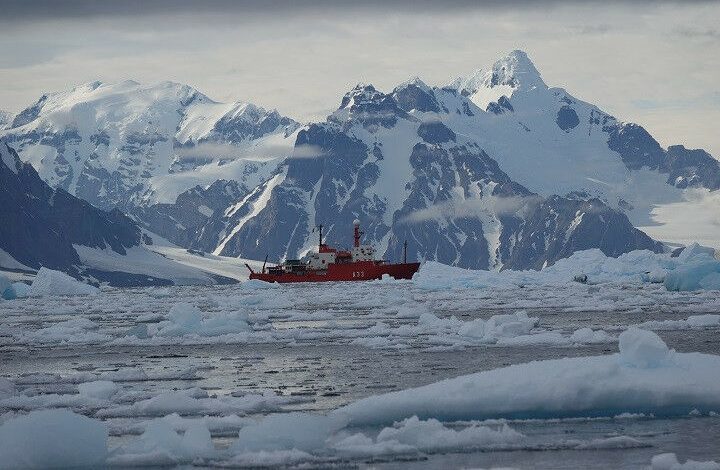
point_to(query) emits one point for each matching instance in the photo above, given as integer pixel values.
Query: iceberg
(50, 282)
(701, 272)
(20, 289)
(695, 268)
(669, 461)
(6, 290)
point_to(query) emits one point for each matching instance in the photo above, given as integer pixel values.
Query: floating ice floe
(102, 389)
(12, 290)
(694, 321)
(52, 439)
(75, 331)
(645, 377)
(49, 282)
(196, 401)
(670, 461)
(506, 330)
(7, 289)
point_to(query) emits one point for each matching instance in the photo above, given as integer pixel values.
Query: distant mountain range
(494, 170)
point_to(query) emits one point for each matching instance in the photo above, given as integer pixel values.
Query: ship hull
(358, 271)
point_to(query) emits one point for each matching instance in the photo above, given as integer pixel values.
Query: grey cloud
(491, 205)
(23, 10)
(232, 152)
(692, 32)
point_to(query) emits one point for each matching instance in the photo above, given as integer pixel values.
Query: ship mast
(357, 233)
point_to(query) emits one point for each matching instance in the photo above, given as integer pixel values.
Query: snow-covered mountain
(393, 161)
(494, 170)
(42, 226)
(128, 144)
(5, 118)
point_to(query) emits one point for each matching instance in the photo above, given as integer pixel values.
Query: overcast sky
(654, 63)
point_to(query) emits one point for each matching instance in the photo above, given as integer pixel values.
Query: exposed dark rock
(39, 225)
(435, 132)
(567, 118)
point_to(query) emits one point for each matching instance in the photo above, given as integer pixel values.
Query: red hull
(358, 271)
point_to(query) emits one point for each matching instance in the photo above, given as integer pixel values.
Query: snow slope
(124, 144)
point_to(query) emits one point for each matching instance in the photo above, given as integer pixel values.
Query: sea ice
(301, 431)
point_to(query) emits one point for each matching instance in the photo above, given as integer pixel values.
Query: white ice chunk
(300, 431)
(161, 445)
(644, 378)
(52, 438)
(185, 319)
(195, 401)
(694, 269)
(432, 435)
(253, 284)
(669, 461)
(698, 273)
(7, 388)
(49, 282)
(102, 389)
(21, 289)
(642, 348)
(6, 290)
(75, 330)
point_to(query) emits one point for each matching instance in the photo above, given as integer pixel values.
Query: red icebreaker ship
(329, 264)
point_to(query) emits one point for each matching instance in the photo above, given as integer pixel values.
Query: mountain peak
(362, 92)
(416, 81)
(514, 72)
(517, 70)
